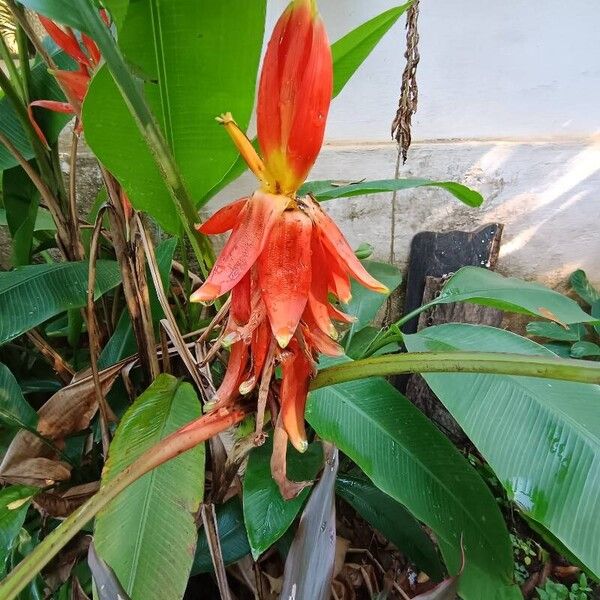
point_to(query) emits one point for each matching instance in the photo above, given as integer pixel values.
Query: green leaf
(14, 502)
(556, 544)
(162, 42)
(406, 457)
(365, 304)
(117, 10)
(585, 349)
(364, 251)
(44, 87)
(554, 331)
(562, 350)
(350, 51)
(361, 342)
(541, 438)
(392, 520)
(33, 294)
(481, 286)
(147, 535)
(266, 514)
(21, 200)
(595, 312)
(329, 190)
(583, 288)
(15, 411)
(43, 221)
(232, 535)
(60, 326)
(122, 342)
(33, 386)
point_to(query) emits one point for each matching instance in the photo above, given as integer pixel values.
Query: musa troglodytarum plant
(288, 270)
(286, 258)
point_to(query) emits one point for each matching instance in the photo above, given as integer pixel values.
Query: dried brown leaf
(62, 504)
(60, 569)
(32, 461)
(39, 471)
(548, 314)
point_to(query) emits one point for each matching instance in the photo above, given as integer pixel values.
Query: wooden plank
(435, 254)
(434, 257)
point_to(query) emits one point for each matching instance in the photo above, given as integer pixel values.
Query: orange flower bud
(294, 96)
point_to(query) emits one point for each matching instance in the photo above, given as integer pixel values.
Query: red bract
(85, 54)
(294, 96)
(285, 260)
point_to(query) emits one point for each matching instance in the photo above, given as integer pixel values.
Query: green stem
(24, 63)
(15, 76)
(581, 371)
(58, 181)
(150, 130)
(390, 336)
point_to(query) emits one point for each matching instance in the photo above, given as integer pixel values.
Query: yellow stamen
(244, 145)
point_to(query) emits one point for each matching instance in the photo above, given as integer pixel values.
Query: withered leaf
(32, 461)
(62, 504)
(310, 561)
(60, 569)
(548, 314)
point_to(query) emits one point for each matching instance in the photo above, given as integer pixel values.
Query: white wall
(489, 68)
(509, 103)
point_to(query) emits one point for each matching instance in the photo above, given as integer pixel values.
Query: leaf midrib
(161, 69)
(159, 434)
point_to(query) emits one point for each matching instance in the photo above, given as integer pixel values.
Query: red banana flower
(85, 54)
(285, 257)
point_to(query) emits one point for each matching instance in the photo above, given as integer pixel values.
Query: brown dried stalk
(409, 95)
(170, 324)
(59, 364)
(93, 333)
(134, 279)
(209, 520)
(76, 245)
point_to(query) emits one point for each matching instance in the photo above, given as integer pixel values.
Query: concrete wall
(509, 104)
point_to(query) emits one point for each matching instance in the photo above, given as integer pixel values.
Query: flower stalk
(285, 257)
